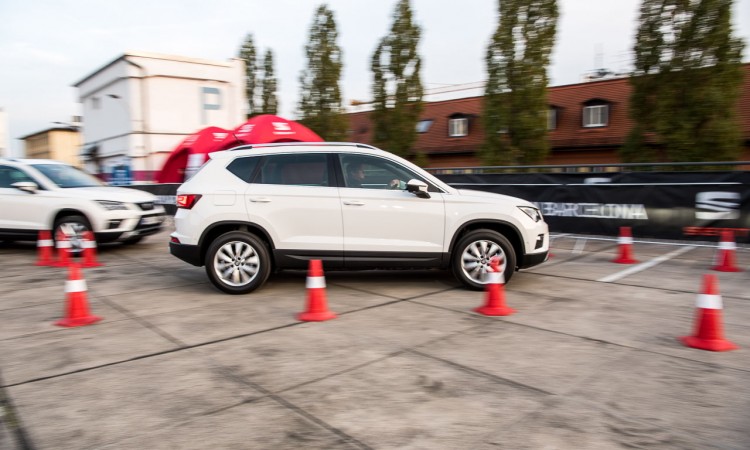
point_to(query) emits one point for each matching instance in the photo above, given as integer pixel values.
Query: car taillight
(187, 201)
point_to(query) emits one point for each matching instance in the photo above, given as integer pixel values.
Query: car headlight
(532, 212)
(112, 205)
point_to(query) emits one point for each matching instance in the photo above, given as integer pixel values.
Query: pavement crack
(145, 323)
(9, 416)
(483, 374)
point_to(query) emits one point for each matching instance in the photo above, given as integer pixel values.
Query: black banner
(680, 205)
(667, 205)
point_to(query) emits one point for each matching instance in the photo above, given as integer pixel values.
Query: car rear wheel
(473, 254)
(237, 262)
(73, 228)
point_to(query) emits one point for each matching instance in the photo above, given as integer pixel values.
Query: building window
(596, 116)
(551, 118)
(458, 127)
(423, 126)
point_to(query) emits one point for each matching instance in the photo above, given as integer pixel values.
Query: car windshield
(67, 176)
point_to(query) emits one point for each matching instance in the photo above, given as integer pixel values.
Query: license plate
(151, 220)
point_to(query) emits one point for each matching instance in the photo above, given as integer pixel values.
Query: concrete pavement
(583, 364)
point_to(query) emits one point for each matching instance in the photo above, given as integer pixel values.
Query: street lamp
(132, 132)
(72, 126)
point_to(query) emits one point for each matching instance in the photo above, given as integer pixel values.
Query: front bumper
(120, 229)
(533, 259)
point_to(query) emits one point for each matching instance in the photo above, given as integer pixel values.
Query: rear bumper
(191, 254)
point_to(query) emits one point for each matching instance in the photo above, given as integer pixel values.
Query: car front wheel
(237, 262)
(73, 228)
(473, 255)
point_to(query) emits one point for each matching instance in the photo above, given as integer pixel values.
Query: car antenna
(236, 139)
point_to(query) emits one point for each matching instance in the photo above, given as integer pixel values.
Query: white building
(137, 108)
(4, 139)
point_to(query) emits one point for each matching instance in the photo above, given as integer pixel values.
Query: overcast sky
(47, 46)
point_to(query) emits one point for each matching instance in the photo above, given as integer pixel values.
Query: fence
(589, 199)
(595, 199)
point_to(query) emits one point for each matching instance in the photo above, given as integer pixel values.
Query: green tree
(515, 99)
(698, 120)
(268, 84)
(693, 91)
(649, 51)
(248, 54)
(397, 88)
(320, 105)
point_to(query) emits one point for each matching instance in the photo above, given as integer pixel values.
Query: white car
(258, 208)
(38, 194)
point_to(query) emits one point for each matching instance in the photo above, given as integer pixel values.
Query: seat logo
(717, 205)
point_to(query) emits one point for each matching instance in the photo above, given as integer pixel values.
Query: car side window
(372, 172)
(10, 175)
(294, 170)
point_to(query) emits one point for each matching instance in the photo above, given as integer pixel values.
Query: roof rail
(286, 144)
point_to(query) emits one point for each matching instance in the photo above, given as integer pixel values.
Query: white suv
(254, 209)
(38, 194)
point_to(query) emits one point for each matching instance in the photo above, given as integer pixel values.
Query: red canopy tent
(268, 128)
(191, 153)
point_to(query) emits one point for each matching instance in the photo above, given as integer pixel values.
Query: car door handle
(354, 202)
(260, 199)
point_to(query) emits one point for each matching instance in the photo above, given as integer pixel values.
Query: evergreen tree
(515, 100)
(269, 100)
(397, 87)
(320, 106)
(695, 84)
(698, 120)
(649, 51)
(247, 53)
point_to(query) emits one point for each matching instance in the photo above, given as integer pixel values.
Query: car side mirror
(418, 188)
(26, 186)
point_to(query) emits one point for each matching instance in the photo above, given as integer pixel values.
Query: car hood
(117, 194)
(491, 196)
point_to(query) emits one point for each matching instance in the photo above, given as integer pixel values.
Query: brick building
(587, 122)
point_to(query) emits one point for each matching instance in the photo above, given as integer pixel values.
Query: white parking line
(578, 248)
(647, 265)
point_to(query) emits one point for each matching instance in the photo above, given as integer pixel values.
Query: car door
(383, 222)
(24, 212)
(293, 196)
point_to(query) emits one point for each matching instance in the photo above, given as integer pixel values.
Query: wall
(138, 107)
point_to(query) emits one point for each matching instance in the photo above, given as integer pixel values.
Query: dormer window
(423, 126)
(552, 113)
(458, 125)
(595, 113)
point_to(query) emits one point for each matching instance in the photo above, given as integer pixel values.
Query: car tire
(73, 227)
(472, 254)
(237, 262)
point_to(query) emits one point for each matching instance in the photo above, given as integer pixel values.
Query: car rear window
(243, 168)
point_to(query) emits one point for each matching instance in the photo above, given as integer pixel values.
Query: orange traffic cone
(725, 260)
(495, 292)
(63, 250)
(709, 333)
(44, 246)
(77, 309)
(89, 250)
(625, 241)
(317, 309)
